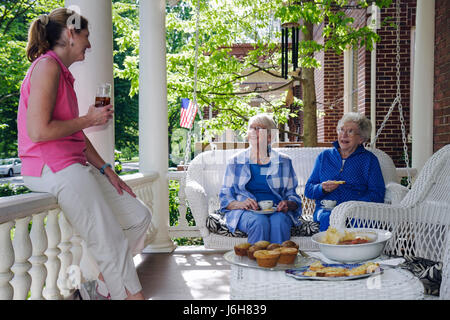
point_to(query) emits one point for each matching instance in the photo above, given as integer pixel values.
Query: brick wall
(330, 81)
(442, 75)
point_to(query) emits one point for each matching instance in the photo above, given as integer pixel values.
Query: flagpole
(187, 152)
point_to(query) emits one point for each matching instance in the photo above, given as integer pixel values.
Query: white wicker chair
(420, 223)
(205, 176)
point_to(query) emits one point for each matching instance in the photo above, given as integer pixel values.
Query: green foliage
(7, 189)
(125, 16)
(15, 18)
(174, 202)
(223, 24)
(174, 214)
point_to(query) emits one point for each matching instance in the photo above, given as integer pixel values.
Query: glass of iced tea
(103, 96)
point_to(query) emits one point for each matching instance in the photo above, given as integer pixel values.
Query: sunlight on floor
(212, 284)
(186, 274)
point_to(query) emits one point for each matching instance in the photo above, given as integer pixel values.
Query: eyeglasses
(349, 132)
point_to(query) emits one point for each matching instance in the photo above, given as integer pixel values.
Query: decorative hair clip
(44, 19)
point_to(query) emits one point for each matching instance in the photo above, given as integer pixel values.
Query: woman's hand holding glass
(98, 116)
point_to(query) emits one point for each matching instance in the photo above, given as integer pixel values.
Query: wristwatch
(106, 165)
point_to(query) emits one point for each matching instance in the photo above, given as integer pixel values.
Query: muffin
(289, 244)
(262, 244)
(288, 255)
(273, 246)
(266, 258)
(241, 249)
(251, 251)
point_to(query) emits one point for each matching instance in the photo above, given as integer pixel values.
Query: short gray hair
(263, 119)
(364, 124)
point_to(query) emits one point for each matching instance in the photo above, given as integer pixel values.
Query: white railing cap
(20, 206)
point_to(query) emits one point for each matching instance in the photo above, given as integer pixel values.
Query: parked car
(10, 167)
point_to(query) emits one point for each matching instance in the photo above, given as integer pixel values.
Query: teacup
(328, 204)
(265, 204)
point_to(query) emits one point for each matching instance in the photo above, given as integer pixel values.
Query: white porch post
(153, 121)
(95, 69)
(422, 109)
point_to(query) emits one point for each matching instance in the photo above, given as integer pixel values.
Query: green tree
(15, 17)
(126, 70)
(126, 50)
(220, 75)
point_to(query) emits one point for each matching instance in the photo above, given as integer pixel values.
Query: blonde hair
(46, 30)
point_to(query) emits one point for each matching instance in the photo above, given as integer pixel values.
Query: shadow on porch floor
(188, 273)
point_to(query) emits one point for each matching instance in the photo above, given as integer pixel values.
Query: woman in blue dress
(350, 163)
(260, 173)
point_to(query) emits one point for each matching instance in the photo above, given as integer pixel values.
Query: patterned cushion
(216, 224)
(306, 229)
(428, 271)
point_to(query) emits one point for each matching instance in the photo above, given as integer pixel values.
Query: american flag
(188, 112)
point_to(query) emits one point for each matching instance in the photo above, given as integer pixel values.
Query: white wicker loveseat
(205, 176)
(420, 223)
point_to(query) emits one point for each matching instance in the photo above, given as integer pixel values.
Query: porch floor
(188, 273)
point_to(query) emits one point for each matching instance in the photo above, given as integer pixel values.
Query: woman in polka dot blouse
(346, 172)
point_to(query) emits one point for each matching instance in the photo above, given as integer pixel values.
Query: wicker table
(250, 283)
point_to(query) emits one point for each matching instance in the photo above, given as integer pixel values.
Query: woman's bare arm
(41, 127)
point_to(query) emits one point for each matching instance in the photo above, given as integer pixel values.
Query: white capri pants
(113, 226)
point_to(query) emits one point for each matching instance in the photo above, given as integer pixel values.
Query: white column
(153, 122)
(422, 109)
(97, 68)
(373, 22)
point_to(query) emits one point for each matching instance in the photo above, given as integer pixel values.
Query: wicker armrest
(367, 211)
(445, 284)
(198, 202)
(395, 193)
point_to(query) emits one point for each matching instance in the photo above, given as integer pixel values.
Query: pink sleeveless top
(56, 154)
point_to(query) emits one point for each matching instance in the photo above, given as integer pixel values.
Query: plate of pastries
(323, 271)
(266, 255)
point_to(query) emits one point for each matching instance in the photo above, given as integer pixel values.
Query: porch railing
(40, 252)
(182, 229)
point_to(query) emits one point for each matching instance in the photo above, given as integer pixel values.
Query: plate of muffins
(266, 255)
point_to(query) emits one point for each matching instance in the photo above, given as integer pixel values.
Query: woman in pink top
(58, 158)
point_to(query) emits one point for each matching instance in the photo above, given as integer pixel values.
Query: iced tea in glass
(103, 96)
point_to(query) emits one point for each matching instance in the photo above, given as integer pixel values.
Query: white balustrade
(44, 263)
(65, 256)
(38, 271)
(6, 261)
(182, 229)
(77, 251)
(51, 291)
(22, 249)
